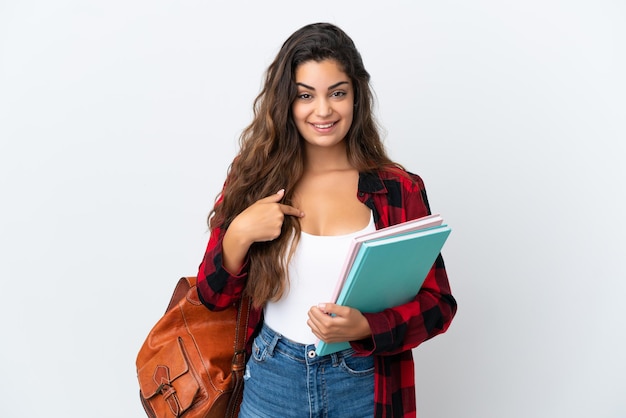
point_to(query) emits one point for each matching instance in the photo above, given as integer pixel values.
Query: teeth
(328, 125)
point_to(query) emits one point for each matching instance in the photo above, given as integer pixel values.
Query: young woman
(312, 173)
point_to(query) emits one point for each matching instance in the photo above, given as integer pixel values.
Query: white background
(118, 120)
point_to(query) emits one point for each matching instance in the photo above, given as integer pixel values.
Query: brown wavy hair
(271, 155)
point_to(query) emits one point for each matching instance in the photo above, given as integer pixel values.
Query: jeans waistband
(298, 351)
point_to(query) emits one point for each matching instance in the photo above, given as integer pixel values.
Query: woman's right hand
(262, 221)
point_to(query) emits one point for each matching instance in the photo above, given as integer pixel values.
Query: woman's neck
(320, 159)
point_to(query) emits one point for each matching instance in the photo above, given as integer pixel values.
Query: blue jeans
(287, 379)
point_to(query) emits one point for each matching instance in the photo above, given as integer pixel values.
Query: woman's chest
(331, 206)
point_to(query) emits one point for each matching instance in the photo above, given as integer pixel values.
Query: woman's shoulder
(404, 191)
(401, 176)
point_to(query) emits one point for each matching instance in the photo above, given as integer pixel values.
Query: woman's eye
(304, 96)
(338, 94)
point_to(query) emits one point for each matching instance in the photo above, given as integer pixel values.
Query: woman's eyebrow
(329, 88)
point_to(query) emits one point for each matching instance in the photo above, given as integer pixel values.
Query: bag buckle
(162, 378)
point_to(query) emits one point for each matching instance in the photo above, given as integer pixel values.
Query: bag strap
(243, 315)
(239, 359)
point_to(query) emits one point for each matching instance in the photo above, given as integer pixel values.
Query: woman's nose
(324, 109)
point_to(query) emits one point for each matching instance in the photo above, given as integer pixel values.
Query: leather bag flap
(174, 378)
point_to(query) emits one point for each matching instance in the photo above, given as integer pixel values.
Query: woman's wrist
(234, 250)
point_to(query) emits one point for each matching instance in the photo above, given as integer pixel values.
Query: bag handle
(180, 291)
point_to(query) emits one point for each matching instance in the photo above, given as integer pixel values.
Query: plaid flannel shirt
(393, 198)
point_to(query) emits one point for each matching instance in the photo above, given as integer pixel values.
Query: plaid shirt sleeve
(218, 288)
(394, 198)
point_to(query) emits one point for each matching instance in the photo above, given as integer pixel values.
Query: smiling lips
(323, 126)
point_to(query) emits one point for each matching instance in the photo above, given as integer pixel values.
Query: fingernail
(281, 191)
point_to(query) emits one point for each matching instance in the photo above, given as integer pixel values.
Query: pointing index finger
(290, 210)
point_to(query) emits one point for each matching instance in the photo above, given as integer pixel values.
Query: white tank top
(313, 272)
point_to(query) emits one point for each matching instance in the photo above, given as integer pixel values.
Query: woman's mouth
(323, 125)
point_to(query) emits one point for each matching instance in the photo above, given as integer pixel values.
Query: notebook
(387, 268)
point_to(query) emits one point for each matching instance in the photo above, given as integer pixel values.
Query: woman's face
(324, 105)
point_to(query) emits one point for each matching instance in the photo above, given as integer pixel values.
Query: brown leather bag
(192, 362)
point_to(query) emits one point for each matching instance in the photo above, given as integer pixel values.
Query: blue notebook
(388, 272)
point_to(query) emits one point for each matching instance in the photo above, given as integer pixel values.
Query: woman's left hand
(333, 323)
